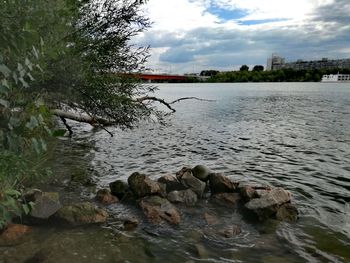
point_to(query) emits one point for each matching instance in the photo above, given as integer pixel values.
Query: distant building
(276, 62)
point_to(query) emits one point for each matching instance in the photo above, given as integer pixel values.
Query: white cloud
(186, 36)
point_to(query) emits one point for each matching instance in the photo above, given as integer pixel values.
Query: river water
(292, 135)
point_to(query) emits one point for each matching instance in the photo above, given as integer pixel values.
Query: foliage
(282, 75)
(68, 54)
(258, 68)
(244, 68)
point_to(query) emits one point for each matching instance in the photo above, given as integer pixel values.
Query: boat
(336, 78)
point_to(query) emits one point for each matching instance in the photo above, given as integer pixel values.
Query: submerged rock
(119, 188)
(81, 214)
(187, 197)
(142, 186)
(210, 219)
(131, 224)
(13, 234)
(230, 231)
(105, 197)
(201, 172)
(219, 183)
(157, 209)
(287, 212)
(171, 183)
(196, 185)
(268, 204)
(45, 203)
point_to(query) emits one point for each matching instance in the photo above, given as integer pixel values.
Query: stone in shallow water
(219, 183)
(105, 197)
(230, 231)
(211, 219)
(201, 172)
(81, 214)
(187, 197)
(142, 186)
(287, 212)
(268, 204)
(14, 234)
(45, 204)
(130, 224)
(171, 183)
(231, 199)
(193, 183)
(157, 209)
(119, 188)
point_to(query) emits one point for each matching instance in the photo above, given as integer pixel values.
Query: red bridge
(161, 78)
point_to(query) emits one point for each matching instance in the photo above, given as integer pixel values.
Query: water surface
(293, 135)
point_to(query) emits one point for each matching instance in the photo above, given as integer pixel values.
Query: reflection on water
(284, 134)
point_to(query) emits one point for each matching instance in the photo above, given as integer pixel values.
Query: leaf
(15, 77)
(12, 192)
(24, 83)
(59, 133)
(5, 70)
(33, 123)
(21, 70)
(15, 122)
(28, 64)
(26, 209)
(35, 52)
(5, 103)
(43, 145)
(35, 145)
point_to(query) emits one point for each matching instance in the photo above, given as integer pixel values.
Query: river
(292, 135)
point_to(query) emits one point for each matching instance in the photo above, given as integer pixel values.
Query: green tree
(244, 68)
(258, 68)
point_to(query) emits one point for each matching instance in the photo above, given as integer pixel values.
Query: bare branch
(81, 118)
(69, 128)
(156, 99)
(189, 98)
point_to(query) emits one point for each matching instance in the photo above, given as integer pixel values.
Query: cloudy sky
(192, 35)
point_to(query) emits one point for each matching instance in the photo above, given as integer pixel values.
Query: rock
(45, 203)
(219, 183)
(287, 212)
(187, 197)
(39, 257)
(210, 219)
(180, 173)
(230, 231)
(81, 214)
(130, 224)
(268, 204)
(13, 234)
(201, 172)
(227, 198)
(119, 188)
(196, 185)
(105, 197)
(248, 193)
(157, 209)
(171, 183)
(142, 186)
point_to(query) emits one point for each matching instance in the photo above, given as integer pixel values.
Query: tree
(258, 68)
(244, 68)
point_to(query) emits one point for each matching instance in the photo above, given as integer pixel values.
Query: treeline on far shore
(281, 75)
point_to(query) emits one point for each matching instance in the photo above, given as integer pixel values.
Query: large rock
(201, 172)
(158, 209)
(187, 197)
(230, 231)
(171, 183)
(105, 197)
(119, 188)
(183, 170)
(189, 181)
(219, 183)
(14, 234)
(230, 199)
(268, 204)
(45, 203)
(81, 214)
(142, 186)
(251, 191)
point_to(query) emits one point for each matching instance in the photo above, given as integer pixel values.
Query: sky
(193, 35)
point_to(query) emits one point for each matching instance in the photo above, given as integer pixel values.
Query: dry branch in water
(101, 122)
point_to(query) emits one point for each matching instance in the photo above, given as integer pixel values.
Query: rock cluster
(187, 186)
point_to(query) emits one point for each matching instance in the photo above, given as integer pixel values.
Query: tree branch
(156, 99)
(69, 128)
(81, 118)
(189, 98)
